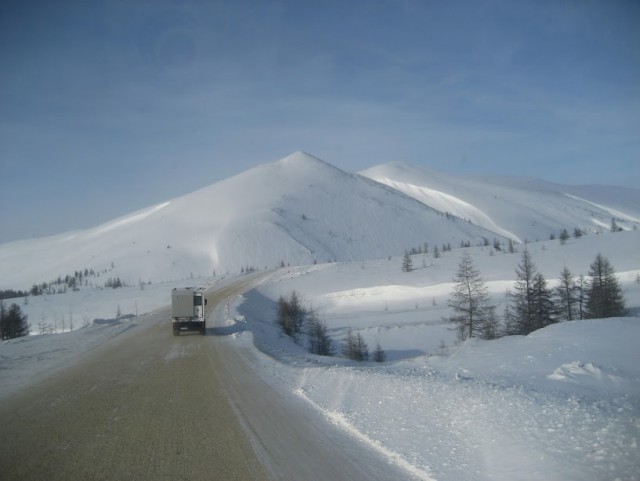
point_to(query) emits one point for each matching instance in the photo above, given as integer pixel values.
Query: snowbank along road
(151, 406)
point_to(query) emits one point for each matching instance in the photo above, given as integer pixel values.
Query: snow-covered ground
(560, 404)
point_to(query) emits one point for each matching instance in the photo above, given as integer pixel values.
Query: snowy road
(150, 406)
(145, 407)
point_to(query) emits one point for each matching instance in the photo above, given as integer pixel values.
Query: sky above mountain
(110, 106)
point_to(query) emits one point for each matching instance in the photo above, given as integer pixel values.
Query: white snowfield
(560, 404)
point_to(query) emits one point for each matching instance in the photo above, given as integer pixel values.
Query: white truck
(187, 310)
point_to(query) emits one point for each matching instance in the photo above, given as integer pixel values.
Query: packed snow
(562, 403)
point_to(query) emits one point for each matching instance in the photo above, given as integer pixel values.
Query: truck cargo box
(188, 310)
(182, 302)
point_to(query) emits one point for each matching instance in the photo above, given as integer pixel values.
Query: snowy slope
(518, 208)
(560, 404)
(294, 211)
(404, 311)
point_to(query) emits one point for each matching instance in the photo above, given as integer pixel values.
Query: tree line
(497, 245)
(531, 303)
(12, 294)
(74, 282)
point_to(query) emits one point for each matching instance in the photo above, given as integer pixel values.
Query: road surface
(152, 406)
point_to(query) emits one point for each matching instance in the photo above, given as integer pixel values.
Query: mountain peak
(305, 161)
(301, 157)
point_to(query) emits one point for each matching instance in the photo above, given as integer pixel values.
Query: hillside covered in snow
(301, 210)
(522, 209)
(562, 403)
(298, 210)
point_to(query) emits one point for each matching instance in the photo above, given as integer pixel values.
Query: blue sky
(108, 106)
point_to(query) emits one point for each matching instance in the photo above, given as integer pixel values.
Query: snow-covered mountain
(301, 210)
(517, 208)
(297, 210)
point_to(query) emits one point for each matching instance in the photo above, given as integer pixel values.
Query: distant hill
(518, 208)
